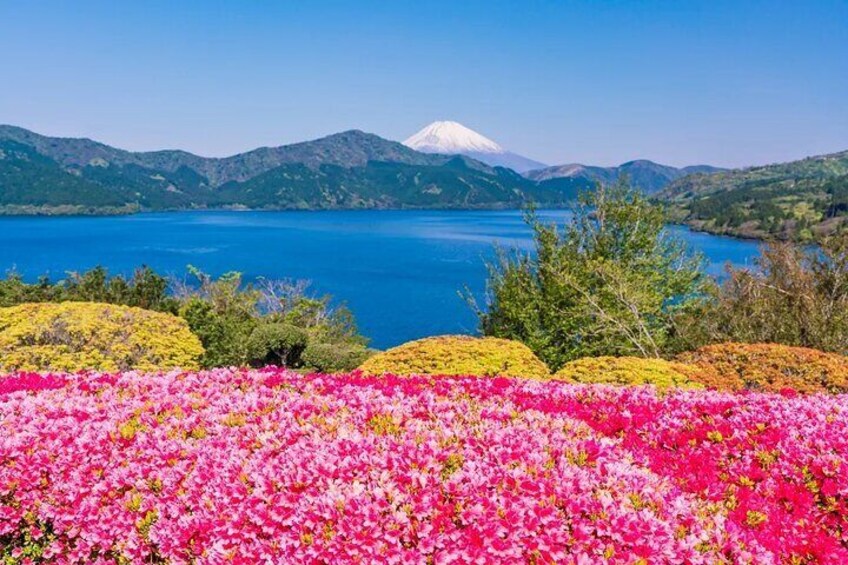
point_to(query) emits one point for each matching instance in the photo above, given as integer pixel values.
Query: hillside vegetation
(348, 170)
(800, 199)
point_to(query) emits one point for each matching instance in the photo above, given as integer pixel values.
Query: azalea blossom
(271, 466)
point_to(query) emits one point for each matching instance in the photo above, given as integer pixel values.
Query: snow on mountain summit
(451, 137)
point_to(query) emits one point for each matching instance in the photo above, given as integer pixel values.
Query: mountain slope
(799, 199)
(646, 175)
(453, 138)
(353, 169)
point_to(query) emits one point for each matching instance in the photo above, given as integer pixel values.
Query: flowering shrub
(630, 371)
(458, 355)
(769, 367)
(72, 336)
(269, 466)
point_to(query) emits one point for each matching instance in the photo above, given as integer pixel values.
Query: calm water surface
(399, 271)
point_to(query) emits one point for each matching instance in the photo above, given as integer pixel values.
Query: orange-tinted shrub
(769, 367)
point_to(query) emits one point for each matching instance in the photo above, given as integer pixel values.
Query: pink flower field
(270, 466)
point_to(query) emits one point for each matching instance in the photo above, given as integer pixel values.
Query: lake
(400, 272)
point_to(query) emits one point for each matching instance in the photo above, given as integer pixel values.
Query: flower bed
(270, 466)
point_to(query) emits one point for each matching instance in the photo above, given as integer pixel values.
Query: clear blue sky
(680, 82)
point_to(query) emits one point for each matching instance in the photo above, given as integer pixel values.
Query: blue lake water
(400, 272)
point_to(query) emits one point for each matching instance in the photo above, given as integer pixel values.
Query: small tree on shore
(796, 294)
(608, 282)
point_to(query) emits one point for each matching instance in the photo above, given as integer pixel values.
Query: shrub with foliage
(333, 357)
(458, 355)
(72, 336)
(796, 295)
(631, 371)
(276, 343)
(769, 367)
(270, 322)
(144, 289)
(610, 282)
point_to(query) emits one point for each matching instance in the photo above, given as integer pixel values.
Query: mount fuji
(453, 138)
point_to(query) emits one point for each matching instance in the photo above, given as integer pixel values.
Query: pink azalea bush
(269, 466)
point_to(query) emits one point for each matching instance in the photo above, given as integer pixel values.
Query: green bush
(276, 344)
(333, 358)
(608, 282)
(144, 289)
(223, 334)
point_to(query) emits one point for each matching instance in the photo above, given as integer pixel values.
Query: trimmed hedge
(770, 367)
(276, 344)
(631, 371)
(333, 357)
(458, 355)
(74, 336)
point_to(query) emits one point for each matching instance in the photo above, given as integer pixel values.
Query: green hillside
(353, 169)
(796, 200)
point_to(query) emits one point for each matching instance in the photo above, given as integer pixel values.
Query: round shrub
(276, 343)
(332, 357)
(74, 336)
(769, 367)
(630, 371)
(458, 355)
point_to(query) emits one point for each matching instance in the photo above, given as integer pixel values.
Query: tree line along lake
(400, 272)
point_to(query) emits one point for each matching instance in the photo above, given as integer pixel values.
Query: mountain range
(448, 137)
(352, 169)
(645, 175)
(435, 168)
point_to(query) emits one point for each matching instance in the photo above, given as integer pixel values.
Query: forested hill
(352, 169)
(647, 176)
(796, 200)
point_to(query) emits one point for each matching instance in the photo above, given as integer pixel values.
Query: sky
(727, 83)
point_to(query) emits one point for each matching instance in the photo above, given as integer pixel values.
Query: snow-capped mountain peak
(451, 137)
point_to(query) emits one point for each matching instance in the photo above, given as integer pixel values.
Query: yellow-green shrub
(770, 367)
(458, 355)
(73, 336)
(630, 371)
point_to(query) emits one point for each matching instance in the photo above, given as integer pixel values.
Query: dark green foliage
(145, 289)
(276, 343)
(608, 283)
(270, 322)
(223, 333)
(29, 178)
(331, 357)
(454, 184)
(803, 199)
